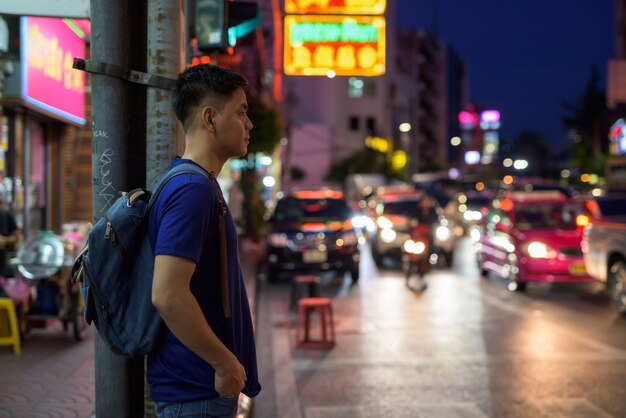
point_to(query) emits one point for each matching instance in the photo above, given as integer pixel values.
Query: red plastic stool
(303, 286)
(306, 307)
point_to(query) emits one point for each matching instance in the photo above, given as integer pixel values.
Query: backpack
(116, 265)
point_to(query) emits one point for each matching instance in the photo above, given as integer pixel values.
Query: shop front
(45, 143)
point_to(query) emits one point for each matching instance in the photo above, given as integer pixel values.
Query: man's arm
(182, 314)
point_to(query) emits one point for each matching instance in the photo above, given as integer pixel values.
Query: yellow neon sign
(347, 45)
(338, 7)
(398, 160)
(377, 143)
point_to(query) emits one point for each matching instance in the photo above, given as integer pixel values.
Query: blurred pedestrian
(9, 238)
(207, 356)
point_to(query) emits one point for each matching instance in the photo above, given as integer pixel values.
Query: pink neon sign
(490, 116)
(467, 118)
(49, 82)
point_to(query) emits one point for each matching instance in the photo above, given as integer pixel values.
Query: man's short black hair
(201, 85)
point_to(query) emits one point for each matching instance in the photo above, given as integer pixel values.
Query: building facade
(411, 106)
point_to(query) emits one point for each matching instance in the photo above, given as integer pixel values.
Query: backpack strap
(189, 168)
(221, 226)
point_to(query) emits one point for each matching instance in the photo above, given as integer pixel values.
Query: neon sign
(353, 45)
(339, 7)
(617, 134)
(49, 82)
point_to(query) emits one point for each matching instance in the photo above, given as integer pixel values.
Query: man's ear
(208, 113)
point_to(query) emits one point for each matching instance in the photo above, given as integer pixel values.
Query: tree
(265, 135)
(536, 149)
(587, 121)
(366, 160)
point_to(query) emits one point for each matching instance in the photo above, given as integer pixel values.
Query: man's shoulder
(189, 186)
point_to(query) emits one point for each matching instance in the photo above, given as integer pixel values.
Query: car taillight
(582, 220)
(348, 238)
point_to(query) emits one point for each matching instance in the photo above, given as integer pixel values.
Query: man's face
(232, 126)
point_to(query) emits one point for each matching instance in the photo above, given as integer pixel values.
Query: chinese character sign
(347, 45)
(346, 7)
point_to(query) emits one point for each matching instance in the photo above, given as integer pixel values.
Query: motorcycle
(417, 252)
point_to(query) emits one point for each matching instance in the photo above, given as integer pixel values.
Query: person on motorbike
(426, 216)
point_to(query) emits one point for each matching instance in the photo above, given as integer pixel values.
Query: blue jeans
(220, 407)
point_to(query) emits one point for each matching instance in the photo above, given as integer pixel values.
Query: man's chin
(244, 152)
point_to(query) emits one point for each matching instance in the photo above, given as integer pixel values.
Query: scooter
(416, 253)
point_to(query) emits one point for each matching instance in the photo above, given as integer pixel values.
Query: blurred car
(466, 209)
(396, 215)
(608, 207)
(526, 185)
(312, 231)
(533, 237)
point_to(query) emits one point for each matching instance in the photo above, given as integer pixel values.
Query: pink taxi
(533, 237)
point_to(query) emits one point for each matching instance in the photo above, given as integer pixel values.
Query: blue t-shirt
(180, 220)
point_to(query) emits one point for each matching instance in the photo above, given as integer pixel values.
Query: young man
(207, 358)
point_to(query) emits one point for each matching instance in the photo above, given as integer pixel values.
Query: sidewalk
(54, 375)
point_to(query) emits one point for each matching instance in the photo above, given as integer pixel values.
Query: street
(465, 347)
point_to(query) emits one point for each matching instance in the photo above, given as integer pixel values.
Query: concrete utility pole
(118, 163)
(166, 57)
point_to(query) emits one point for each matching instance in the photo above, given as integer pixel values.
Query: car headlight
(388, 235)
(384, 223)
(442, 233)
(414, 247)
(472, 215)
(364, 222)
(536, 249)
(278, 240)
(359, 221)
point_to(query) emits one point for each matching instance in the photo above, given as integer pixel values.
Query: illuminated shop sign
(345, 45)
(490, 119)
(49, 83)
(491, 141)
(345, 7)
(467, 120)
(617, 134)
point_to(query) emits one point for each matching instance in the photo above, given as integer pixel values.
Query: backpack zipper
(109, 232)
(96, 291)
(111, 236)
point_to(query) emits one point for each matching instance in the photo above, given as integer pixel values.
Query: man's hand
(231, 379)
(183, 316)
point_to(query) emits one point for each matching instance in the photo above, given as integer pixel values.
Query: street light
(520, 164)
(405, 127)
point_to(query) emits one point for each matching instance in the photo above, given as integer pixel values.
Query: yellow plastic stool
(8, 325)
